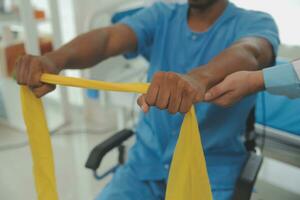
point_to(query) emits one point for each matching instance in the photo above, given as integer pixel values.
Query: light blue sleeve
(144, 24)
(258, 24)
(282, 80)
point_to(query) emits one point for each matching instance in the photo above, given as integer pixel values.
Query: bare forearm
(84, 51)
(243, 56)
(93, 47)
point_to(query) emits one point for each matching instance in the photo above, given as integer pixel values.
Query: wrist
(202, 77)
(256, 80)
(58, 59)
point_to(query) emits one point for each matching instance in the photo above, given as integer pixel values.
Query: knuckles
(173, 80)
(172, 111)
(161, 106)
(158, 76)
(150, 100)
(28, 66)
(176, 83)
(172, 76)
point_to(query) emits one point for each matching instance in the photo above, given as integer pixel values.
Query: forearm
(84, 51)
(243, 56)
(90, 48)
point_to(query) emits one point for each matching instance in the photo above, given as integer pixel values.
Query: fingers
(217, 91)
(164, 92)
(141, 101)
(234, 87)
(34, 75)
(42, 90)
(17, 69)
(29, 70)
(23, 70)
(153, 90)
(172, 91)
(221, 94)
(187, 100)
(176, 98)
(227, 99)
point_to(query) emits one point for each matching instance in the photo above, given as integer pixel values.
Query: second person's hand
(234, 87)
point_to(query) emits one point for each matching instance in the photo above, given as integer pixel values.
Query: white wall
(66, 11)
(285, 12)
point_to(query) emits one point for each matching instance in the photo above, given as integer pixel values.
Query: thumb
(141, 101)
(215, 92)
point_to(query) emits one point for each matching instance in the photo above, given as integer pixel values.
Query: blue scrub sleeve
(282, 80)
(258, 24)
(143, 24)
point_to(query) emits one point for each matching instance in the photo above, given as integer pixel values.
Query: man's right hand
(29, 70)
(84, 51)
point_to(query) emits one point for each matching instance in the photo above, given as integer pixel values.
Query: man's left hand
(172, 91)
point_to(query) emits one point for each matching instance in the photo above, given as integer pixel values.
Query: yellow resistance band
(188, 179)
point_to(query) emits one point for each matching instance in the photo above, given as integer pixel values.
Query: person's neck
(200, 19)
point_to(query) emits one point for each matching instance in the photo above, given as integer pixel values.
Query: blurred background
(80, 119)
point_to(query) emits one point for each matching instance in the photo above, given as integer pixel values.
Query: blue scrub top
(167, 42)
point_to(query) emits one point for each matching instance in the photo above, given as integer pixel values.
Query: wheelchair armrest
(99, 151)
(247, 178)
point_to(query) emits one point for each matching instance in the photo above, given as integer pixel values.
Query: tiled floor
(75, 182)
(71, 147)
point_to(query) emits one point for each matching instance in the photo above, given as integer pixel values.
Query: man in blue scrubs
(282, 80)
(190, 48)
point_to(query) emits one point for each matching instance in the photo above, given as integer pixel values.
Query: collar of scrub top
(296, 64)
(228, 13)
